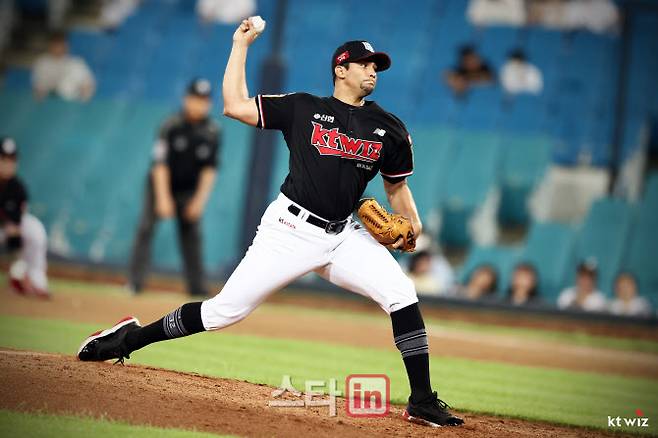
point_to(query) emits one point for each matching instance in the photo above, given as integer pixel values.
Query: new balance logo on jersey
(380, 132)
(332, 142)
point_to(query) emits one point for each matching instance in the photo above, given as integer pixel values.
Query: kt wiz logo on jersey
(332, 142)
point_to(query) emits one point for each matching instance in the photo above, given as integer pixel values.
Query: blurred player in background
(23, 233)
(58, 72)
(179, 184)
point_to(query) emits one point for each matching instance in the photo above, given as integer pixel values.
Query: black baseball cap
(353, 51)
(199, 87)
(8, 147)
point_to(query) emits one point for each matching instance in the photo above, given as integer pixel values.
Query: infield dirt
(141, 395)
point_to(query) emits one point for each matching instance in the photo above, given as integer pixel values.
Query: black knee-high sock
(184, 321)
(411, 340)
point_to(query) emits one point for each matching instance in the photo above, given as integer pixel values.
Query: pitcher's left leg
(35, 247)
(362, 265)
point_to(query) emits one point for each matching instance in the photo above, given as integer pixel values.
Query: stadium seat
(604, 236)
(550, 249)
(643, 246)
(524, 160)
(471, 177)
(502, 258)
(641, 260)
(650, 197)
(434, 153)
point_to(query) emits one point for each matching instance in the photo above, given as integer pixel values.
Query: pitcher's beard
(367, 89)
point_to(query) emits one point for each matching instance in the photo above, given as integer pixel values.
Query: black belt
(329, 227)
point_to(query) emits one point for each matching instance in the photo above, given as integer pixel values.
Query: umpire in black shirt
(179, 184)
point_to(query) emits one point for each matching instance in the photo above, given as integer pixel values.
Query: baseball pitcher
(337, 144)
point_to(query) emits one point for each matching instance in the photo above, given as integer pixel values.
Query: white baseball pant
(32, 260)
(287, 247)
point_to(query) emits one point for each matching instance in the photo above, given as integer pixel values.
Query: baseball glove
(386, 228)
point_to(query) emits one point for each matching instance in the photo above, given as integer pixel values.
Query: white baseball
(257, 23)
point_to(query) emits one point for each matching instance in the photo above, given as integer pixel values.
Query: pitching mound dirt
(142, 395)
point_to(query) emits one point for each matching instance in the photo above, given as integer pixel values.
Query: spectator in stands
(594, 15)
(57, 10)
(584, 295)
(431, 273)
(179, 184)
(22, 232)
(481, 285)
(627, 301)
(115, 12)
(420, 272)
(470, 71)
(523, 289)
(58, 72)
(7, 21)
(519, 76)
(225, 11)
(497, 12)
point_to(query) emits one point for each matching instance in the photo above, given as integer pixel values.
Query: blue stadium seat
(604, 236)
(523, 114)
(18, 79)
(15, 107)
(651, 189)
(472, 175)
(643, 246)
(501, 258)
(434, 153)
(640, 260)
(550, 249)
(524, 160)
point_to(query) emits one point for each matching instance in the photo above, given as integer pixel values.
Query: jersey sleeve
(398, 160)
(276, 111)
(13, 207)
(161, 144)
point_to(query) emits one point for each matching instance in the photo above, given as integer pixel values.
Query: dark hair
(466, 49)
(588, 267)
(58, 36)
(517, 53)
(416, 258)
(494, 274)
(526, 266)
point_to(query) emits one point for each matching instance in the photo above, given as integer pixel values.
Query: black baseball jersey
(335, 149)
(13, 196)
(187, 148)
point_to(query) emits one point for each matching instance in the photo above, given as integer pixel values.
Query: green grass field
(15, 424)
(559, 396)
(569, 337)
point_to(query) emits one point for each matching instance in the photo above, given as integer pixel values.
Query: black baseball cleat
(108, 344)
(430, 411)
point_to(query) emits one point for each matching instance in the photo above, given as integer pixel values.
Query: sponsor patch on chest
(323, 118)
(333, 142)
